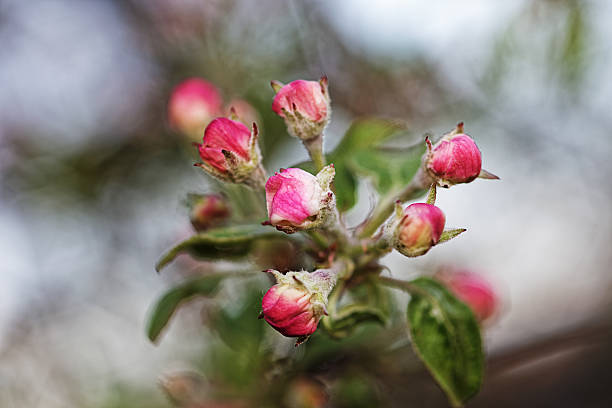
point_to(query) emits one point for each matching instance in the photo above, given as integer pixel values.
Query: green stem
(338, 229)
(374, 250)
(315, 150)
(334, 297)
(402, 285)
(317, 238)
(385, 207)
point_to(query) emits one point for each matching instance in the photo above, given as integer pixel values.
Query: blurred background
(92, 182)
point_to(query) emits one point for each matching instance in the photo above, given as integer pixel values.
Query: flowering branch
(443, 314)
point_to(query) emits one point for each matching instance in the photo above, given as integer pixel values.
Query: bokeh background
(92, 180)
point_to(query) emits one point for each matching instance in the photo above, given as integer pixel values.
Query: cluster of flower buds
(297, 200)
(208, 211)
(298, 301)
(455, 159)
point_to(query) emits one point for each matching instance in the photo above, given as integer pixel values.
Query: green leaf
(388, 168)
(367, 132)
(345, 188)
(349, 317)
(238, 326)
(361, 151)
(232, 242)
(446, 336)
(374, 164)
(361, 136)
(370, 304)
(171, 300)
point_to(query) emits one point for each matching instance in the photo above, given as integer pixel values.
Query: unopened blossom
(297, 302)
(298, 200)
(304, 105)
(229, 151)
(416, 229)
(192, 105)
(208, 210)
(455, 159)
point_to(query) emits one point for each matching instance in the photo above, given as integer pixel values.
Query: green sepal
(449, 234)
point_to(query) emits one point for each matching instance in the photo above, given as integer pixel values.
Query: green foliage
(355, 391)
(239, 327)
(240, 360)
(361, 152)
(370, 304)
(231, 242)
(345, 186)
(171, 300)
(446, 336)
(349, 317)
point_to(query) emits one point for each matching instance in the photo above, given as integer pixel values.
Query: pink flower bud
(419, 229)
(243, 110)
(192, 105)
(454, 159)
(305, 106)
(296, 199)
(224, 134)
(208, 211)
(297, 302)
(473, 290)
(290, 311)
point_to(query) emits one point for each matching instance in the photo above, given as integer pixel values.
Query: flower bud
(208, 211)
(229, 151)
(184, 388)
(416, 229)
(297, 302)
(297, 200)
(192, 105)
(454, 159)
(305, 106)
(306, 392)
(473, 290)
(243, 111)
